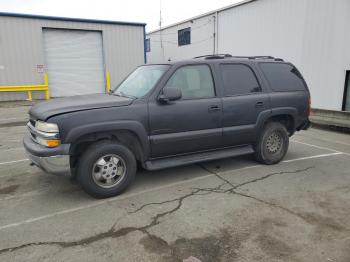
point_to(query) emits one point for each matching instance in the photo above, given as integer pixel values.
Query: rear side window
(282, 77)
(238, 79)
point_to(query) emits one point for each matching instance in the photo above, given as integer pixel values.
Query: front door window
(195, 81)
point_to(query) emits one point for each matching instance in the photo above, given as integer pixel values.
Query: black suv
(166, 115)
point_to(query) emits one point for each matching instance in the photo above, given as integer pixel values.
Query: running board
(198, 157)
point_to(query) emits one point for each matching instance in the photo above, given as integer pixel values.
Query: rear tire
(106, 169)
(272, 144)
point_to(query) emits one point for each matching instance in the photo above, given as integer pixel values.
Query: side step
(198, 157)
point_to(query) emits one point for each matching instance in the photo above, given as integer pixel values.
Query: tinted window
(195, 81)
(184, 36)
(282, 77)
(238, 79)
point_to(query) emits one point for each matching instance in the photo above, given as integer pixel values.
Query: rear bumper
(304, 126)
(52, 160)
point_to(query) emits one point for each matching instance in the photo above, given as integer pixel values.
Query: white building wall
(202, 41)
(326, 51)
(312, 34)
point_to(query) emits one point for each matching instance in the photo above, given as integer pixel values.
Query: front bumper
(52, 160)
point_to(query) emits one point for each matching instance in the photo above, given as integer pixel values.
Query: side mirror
(170, 94)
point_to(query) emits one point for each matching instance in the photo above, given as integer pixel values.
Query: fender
(133, 126)
(265, 115)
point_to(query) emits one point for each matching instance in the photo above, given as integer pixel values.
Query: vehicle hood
(59, 106)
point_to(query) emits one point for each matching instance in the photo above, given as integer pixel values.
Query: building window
(346, 99)
(184, 36)
(148, 45)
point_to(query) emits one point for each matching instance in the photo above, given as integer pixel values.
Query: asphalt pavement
(228, 210)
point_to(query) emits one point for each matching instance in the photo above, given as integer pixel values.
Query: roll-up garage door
(74, 61)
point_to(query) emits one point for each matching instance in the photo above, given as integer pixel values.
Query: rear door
(191, 124)
(243, 101)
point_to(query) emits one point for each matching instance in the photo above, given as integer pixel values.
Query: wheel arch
(286, 116)
(134, 138)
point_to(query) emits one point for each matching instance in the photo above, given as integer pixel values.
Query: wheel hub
(108, 171)
(274, 142)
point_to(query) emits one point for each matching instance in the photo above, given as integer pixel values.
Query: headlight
(46, 127)
(46, 134)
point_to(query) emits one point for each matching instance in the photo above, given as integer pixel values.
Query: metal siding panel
(19, 55)
(21, 38)
(71, 19)
(269, 27)
(326, 52)
(312, 34)
(202, 41)
(128, 54)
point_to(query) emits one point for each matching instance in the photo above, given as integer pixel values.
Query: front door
(191, 124)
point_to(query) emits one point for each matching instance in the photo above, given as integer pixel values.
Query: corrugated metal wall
(21, 49)
(312, 34)
(202, 41)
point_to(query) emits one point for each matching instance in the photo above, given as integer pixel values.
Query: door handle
(214, 108)
(259, 104)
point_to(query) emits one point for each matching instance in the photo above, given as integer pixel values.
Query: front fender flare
(111, 126)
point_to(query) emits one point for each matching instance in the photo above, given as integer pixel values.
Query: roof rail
(215, 56)
(222, 56)
(260, 57)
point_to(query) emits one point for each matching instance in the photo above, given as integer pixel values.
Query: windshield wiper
(120, 93)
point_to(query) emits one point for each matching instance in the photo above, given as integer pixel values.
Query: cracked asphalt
(228, 210)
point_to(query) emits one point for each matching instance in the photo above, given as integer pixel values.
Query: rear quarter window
(283, 77)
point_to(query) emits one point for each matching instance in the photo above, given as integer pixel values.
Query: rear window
(283, 77)
(238, 79)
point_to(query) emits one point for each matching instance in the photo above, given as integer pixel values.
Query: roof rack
(223, 56)
(216, 56)
(265, 57)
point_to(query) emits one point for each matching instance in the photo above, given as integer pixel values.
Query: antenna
(160, 28)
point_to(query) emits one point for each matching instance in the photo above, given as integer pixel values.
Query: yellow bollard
(108, 82)
(29, 96)
(46, 83)
(47, 94)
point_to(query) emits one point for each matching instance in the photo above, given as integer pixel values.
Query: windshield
(141, 81)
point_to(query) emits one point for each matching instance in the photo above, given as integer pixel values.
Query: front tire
(273, 144)
(106, 169)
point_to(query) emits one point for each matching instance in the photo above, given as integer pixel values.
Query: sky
(146, 11)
